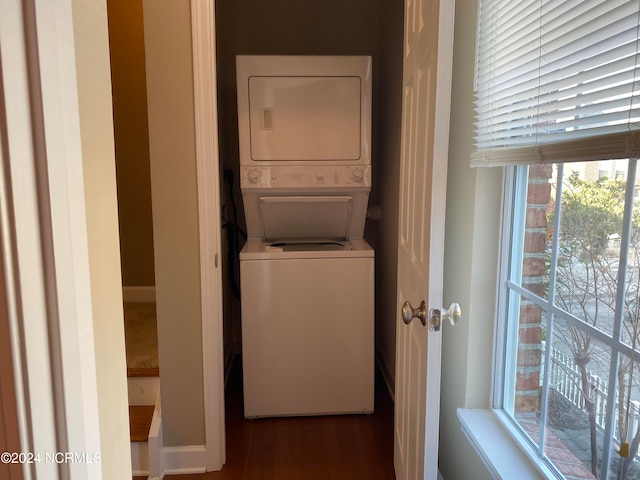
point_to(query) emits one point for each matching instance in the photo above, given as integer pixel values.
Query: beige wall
(167, 35)
(126, 42)
(471, 244)
(96, 128)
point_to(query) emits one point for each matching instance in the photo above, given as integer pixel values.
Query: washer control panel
(303, 177)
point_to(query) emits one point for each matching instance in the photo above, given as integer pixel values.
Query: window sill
(497, 448)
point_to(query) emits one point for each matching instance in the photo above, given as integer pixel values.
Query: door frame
(43, 236)
(52, 168)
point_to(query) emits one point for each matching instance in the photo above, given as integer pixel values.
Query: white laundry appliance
(306, 274)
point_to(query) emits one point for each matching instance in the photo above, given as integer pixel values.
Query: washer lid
(259, 250)
(305, 217)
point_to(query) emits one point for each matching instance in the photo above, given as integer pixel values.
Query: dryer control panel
(306, 177)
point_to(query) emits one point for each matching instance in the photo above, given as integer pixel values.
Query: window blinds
(557, 81)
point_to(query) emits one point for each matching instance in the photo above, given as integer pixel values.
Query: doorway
(357, 27)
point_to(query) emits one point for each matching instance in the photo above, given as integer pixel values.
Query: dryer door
(305, 118)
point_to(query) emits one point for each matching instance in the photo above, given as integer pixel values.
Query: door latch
(453, 314)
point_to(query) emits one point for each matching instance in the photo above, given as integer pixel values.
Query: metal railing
(566, 380)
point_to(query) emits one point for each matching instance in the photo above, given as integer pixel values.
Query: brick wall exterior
(534, 279)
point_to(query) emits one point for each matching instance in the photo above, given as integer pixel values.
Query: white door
(428, 51)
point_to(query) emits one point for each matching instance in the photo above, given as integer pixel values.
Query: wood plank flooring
(346, 447)
(143, 372)
(140, 417)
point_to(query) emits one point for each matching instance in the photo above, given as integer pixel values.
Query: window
(557, 104)
(571, 300)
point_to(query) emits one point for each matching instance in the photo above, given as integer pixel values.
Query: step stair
(140, 417)
(143, 398)
(143, 388)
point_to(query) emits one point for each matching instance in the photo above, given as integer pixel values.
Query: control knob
(358, 175)
(253, 176)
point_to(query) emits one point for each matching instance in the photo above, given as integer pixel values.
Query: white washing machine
(307, 275)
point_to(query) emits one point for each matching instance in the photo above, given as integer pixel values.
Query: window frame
(507, 313)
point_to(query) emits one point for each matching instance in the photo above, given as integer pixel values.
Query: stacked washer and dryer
(307, 275)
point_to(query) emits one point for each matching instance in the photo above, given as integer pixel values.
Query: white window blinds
(557, 81)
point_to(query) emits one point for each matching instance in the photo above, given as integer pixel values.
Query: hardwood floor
(346, 447)
(140, 417)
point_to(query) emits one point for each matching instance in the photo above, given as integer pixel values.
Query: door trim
(44, 238)
(207, 164)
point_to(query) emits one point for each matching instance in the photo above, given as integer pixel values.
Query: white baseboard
(140, 459)
(139, 294)
(184, 460)
(171, 460)
(155, 442)
(144, 455)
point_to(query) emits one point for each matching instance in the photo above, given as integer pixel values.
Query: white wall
(471, 261)
(96, 128)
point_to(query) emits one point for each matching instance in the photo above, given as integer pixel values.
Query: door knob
(453, 314)
(408, 312)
